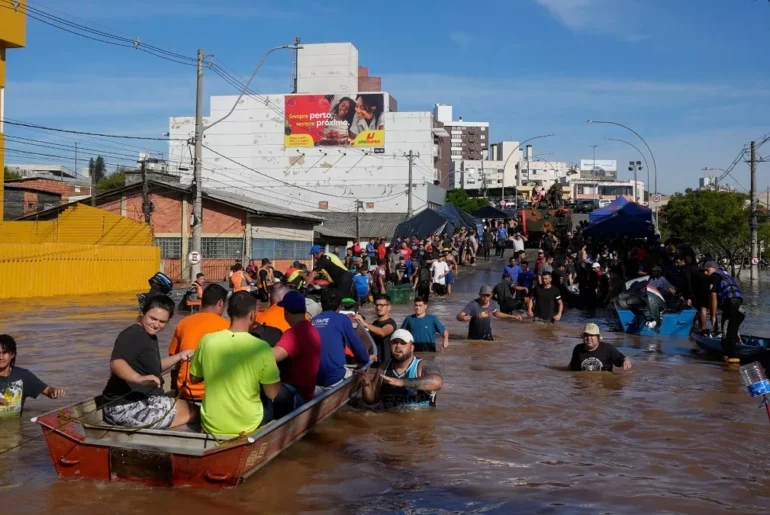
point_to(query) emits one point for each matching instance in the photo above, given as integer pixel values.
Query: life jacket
(194, 294)
(290, 271)
(728, 288)
(336, 262)
(239, 282)
(392, 396)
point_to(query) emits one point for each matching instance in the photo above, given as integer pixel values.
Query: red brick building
(67, 190)
(233, 227)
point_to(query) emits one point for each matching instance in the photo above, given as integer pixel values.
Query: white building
(248, 153)
(587, 189)
(497, 171)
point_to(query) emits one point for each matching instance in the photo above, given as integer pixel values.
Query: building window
(580, 190)
(222, 248)
(170, 248)
(279, 249)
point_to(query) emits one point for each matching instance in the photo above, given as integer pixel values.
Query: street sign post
(194, 257)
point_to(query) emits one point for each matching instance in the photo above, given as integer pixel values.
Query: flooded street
(513, 432)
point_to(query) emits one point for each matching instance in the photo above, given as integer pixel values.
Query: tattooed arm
(429, 379)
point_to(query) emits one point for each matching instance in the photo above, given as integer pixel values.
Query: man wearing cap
(725, 294)
(334, 270)
(406, 380)
(298, 354)
(479, 313)
(659, 282)
(594, 355)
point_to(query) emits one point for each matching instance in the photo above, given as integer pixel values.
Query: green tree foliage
(9, 174)
(461, 200)
(714, 222)
(100, 169)
(111, 182)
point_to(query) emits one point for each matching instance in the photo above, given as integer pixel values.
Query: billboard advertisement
(605, 169)
(334, 120)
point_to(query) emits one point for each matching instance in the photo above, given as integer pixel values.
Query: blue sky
(690, 75)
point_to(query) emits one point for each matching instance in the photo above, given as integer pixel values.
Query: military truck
(549, 215)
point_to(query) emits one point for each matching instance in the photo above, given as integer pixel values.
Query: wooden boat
(82, 445)
(674, 324)
(752, 348)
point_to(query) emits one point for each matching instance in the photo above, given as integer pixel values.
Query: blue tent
(633, 220)
(608, 210)
(430, 223)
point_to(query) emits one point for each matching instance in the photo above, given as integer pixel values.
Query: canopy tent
(428, 223)
(608, 210)
(630, 221)
(491, 212)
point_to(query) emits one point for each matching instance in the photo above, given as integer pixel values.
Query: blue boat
(674, 324)
(752, 347)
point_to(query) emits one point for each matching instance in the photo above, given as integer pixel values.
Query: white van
(604, 202)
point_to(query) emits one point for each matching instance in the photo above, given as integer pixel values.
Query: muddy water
(513, 431)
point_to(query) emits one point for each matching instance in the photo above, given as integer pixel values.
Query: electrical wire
(117, 136)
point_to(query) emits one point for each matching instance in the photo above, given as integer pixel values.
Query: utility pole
(146, 206)
(411, 156)
(197, 173)
(753, 222)
(295, 65)
(593, 171)
(359, 206)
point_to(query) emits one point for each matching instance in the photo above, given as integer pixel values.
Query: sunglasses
(381, 305)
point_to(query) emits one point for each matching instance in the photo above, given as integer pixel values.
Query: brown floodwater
(513, 432)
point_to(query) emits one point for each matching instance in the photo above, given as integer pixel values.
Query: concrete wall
(253, 137)
(330, 68)
(20, 202)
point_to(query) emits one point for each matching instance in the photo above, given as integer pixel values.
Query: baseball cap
(591, 329)
(657, 269)
(403, 335)
(296, 264)
(316, 248)
(485, 290)
(293, 302)
(597, 265)
(711, 264)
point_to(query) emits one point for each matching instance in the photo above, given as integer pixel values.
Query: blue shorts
(450, 279)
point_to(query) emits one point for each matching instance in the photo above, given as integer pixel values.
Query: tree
(461, 200)
(9, 174)
(713, 222)
(111, 182)
(100, 169)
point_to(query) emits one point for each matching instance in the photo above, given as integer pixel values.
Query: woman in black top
(134, 396)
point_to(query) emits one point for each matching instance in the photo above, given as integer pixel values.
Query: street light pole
(593, 171)
(502, 193)
(640, 153)
(654, 163)
(198, 142)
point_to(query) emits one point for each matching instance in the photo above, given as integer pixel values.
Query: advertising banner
(605, 169)
(334, 120)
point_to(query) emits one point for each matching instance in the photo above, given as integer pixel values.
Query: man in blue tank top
(406, 380)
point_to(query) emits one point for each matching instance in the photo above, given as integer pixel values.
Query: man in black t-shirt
(593, 355)
(546, 302)
(479, 313)
(16, 383)
(382, 328)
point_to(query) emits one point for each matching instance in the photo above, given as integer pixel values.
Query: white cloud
(621, 19)
(460, 38)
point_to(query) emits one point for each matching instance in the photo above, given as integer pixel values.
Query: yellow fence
(50, 269)
(85, 251)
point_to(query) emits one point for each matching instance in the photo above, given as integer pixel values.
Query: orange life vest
(239, 282)
(198, 293)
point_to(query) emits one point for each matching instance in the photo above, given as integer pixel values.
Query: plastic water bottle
(753, 376)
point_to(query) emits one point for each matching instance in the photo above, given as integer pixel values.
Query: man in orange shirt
(190, 331)
(273, 316)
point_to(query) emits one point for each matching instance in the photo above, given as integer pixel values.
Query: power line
(117, 136)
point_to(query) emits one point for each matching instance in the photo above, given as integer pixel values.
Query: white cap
(597, 265)
(403, 335)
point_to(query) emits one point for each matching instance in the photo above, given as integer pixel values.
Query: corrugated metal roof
(257, 206)
(372, 225)
(328, 232)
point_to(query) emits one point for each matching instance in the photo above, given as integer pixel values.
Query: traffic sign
(655, 198)
(754, 261)
(194, 257)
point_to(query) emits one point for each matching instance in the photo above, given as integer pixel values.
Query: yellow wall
(13, 25)
(13, 34)
(50, 269)
(85, 251)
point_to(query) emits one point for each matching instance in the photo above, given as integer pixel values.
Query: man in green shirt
(234, 364)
